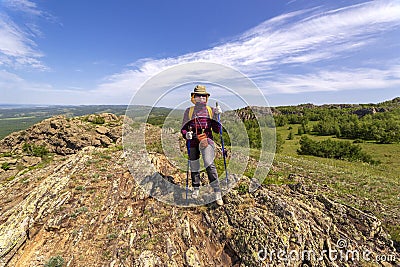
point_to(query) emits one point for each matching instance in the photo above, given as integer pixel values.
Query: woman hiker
(197, 126)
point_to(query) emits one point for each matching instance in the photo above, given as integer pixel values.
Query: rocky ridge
(247, 113)
(65, 136)
(84, 208)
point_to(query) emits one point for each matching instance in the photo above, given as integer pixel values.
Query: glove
(189, 135)
(218, 110)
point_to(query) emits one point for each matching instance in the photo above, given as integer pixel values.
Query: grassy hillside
(373, 188)
(373, 127)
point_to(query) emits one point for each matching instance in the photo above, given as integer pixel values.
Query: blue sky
(101, 52)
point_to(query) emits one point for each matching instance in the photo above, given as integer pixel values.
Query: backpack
(191, 111)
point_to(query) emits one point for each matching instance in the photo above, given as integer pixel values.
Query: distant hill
(19, 117)
(302, 109)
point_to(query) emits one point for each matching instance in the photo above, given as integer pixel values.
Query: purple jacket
(200, 123)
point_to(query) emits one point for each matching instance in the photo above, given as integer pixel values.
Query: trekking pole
(223, 148)
(188, 168)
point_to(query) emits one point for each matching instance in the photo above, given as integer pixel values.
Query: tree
(333, 149)
(290, 136)
(279, 143)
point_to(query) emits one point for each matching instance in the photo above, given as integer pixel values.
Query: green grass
(361, 185)
(388, 154)
(56, 261)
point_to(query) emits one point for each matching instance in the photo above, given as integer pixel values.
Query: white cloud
(17, 45)
(23, 6)
(282, 55)
(325, 80)
(294, 39)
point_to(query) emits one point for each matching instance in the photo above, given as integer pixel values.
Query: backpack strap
(210, 113)
(191, 111)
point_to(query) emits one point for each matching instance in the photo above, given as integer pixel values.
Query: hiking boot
(218, 199)
(195, 193)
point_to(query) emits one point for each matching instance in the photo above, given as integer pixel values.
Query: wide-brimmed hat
(200, 89)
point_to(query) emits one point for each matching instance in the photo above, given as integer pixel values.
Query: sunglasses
(200, 95)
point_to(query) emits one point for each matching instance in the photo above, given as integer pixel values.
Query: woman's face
(200, 98)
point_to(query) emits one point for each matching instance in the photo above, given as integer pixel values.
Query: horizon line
(75, 105)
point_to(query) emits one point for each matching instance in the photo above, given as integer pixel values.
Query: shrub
(156, 120)
(155, 146)
(279, 143)
(56, 261)
(333, 149)
(80, 188)
(6, 154)
(99, 120)
(243, 188)
(280, 120)
(5, 166)
(34, 150)
(290, 136)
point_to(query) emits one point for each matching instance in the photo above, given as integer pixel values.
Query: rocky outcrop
(64, 136)
(55, 137)
(277, 225)
(365, 111)
(249, 113)
(43, 200)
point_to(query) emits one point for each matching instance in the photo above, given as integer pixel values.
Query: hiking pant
(208, 155)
